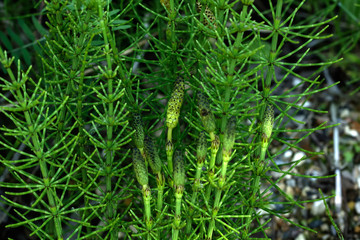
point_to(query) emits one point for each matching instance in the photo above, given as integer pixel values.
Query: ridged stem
(179, 189)
(50, 192)
(160, 185)
(215, 144)
(147, 207)
(169, 156)
(110, 210)
(216, 207)
(39, 152)
(196, 189)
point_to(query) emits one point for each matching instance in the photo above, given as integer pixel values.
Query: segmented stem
(228, 143)
(215, 144)
(200, 156)
(147, 198)
(179, 181)
(143, 179)
(169, 155)
(37, 145)
(160, 185)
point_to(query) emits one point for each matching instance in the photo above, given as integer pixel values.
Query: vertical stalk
(50, 192)
(219, 189)
(81, 125)
(169, 151)
(179, 181)
(160, 179)
(177, 217)
(37, 149)
(172, 16)
(169, 155)
(109, 75)
(196, 188)
(228, 143)
(215, 144)
(224, 158)
(230, 78)
(201, 152)
(142, 177)
(147, 198)
(272, 57)
(160, 185)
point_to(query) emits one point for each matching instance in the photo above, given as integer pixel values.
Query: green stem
(147, 208)
(39, 152)
(263, 152)
(272, 56)
(221, 183)
(196, 188)
(51, 192)
(110, 209)
(215, 144)
(161, 185)
(177, 217)
(169, 155)
(172, 16)
(224, 158)
(160, 195)
(169, 135)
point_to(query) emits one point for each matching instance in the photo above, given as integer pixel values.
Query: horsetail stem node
(140, 168)
(152, 155)
(138, 136)
(229, 137)
(169, 154)
(174, 104)
(267, 126)
(206, 115)
(179, 181)
(215, 145)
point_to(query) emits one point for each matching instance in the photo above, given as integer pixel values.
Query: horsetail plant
(66, 129)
